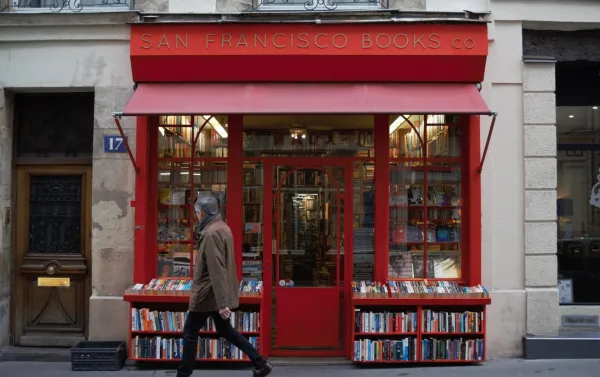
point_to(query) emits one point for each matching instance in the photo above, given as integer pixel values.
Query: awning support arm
(487, 142)
(117, 118)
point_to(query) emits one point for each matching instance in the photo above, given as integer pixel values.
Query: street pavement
(494, 368)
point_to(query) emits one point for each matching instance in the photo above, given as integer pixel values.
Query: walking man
(215, 289)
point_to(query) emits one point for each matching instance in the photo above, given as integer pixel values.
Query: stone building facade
(89, 51)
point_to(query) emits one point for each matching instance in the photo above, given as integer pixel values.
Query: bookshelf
(158, 311)
(414, 322)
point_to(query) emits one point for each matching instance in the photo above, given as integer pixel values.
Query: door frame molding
(345, 291)
(19, 224)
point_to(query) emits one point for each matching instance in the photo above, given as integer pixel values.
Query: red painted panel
(308, 317)
(306, 68)
(342, 98)
(382, 188)
(141, 195)
(287, 52)
(234, 186)
(474, 209)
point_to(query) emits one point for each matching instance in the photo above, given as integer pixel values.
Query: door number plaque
(54, 282)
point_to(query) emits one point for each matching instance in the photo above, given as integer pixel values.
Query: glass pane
(411, 232)
(406, 141)
(578, 195)
(444, 221)
(252, 248)
(212, 140)
(175, 219)
(307, 215)
(364, 220)
(181, 179)
(55, 214)
(443, 136)
(308, 135)
(207, 137)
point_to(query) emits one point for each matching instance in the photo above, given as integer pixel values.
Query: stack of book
(182, 287)
(416, 289)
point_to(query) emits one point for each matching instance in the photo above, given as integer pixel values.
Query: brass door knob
(51, 270)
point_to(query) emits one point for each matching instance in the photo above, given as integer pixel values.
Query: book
(452, 349)
(171, 348)
(385, 350)
(384, 322)
(147, 320)
(178, 287)
(452, 321)
(416, 289)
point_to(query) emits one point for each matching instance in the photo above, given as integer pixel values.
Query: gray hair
(207, 205)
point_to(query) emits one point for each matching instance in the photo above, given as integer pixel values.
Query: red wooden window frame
(146, 196)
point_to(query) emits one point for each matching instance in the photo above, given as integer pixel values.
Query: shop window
(578, 204)
(302, 136)
(191, 164)
(425, 198)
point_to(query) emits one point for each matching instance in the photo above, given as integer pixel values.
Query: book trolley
(412, 322)
(158, 311)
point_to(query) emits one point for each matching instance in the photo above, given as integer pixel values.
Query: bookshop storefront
(339, 153)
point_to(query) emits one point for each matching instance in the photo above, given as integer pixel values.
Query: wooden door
(52, 240)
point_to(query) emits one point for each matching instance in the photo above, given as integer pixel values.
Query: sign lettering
(114, 144)
(302, 40)
(211, 41)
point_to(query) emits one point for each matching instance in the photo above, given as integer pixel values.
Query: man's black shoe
(264, 371)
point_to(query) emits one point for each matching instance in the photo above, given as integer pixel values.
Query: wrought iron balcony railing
(66, 5)
(318, 5)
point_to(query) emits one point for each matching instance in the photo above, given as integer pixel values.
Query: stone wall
(113, 184)
(540, 197)
(81, 52)
(5, 204)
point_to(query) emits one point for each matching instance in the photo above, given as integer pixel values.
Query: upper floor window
(69, 5)
(318, 5)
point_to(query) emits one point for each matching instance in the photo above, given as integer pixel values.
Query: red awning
(294, 98)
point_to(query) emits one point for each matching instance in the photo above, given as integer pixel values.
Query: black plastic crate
(98, 356)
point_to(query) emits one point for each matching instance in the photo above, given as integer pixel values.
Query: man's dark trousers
(194, 322)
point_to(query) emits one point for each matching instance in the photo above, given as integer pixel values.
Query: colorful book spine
(144, 319)
(385, 322)
(452, 322)
(385, 350)
(166, 348)
(433, 349)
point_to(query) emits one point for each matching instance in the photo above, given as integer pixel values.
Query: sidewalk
(497, 368)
